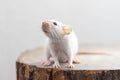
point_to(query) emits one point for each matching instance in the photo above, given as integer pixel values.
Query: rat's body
(62, 44)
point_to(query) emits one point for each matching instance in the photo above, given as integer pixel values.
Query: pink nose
(45, 24)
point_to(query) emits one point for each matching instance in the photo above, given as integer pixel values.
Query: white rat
(62, 43)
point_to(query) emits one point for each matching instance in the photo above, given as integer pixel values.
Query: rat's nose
(45, 24)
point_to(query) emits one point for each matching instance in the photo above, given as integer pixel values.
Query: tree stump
(97, 63)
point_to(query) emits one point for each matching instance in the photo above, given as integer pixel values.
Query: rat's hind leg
(76, 61)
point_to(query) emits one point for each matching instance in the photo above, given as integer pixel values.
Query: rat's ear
(67, 29)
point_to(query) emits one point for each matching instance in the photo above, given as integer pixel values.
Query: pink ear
(67, 29)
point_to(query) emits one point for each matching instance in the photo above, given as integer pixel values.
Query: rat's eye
(55, 23)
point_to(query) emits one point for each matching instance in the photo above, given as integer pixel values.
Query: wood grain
(97, 63)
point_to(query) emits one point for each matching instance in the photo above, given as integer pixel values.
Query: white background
(95, 22)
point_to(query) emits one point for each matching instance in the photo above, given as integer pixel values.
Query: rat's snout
(45, 26)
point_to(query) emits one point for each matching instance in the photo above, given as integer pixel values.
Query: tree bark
(29, 67)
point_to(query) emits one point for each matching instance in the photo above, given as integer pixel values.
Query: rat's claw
(70, 66)
(46, 63)
(56, 65)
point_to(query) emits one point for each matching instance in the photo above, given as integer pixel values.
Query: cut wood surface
(96, 63)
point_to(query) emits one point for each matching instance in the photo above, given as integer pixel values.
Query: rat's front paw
(46, 63)
(70, 66)
(56, 65)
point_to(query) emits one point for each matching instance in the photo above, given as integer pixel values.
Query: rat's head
(54, 29)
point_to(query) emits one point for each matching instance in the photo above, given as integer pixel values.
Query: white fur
(61, 47)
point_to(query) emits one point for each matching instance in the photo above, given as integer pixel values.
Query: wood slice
(97, 63)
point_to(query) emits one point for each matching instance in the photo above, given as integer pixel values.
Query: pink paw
(56, 65)
(70, 66)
